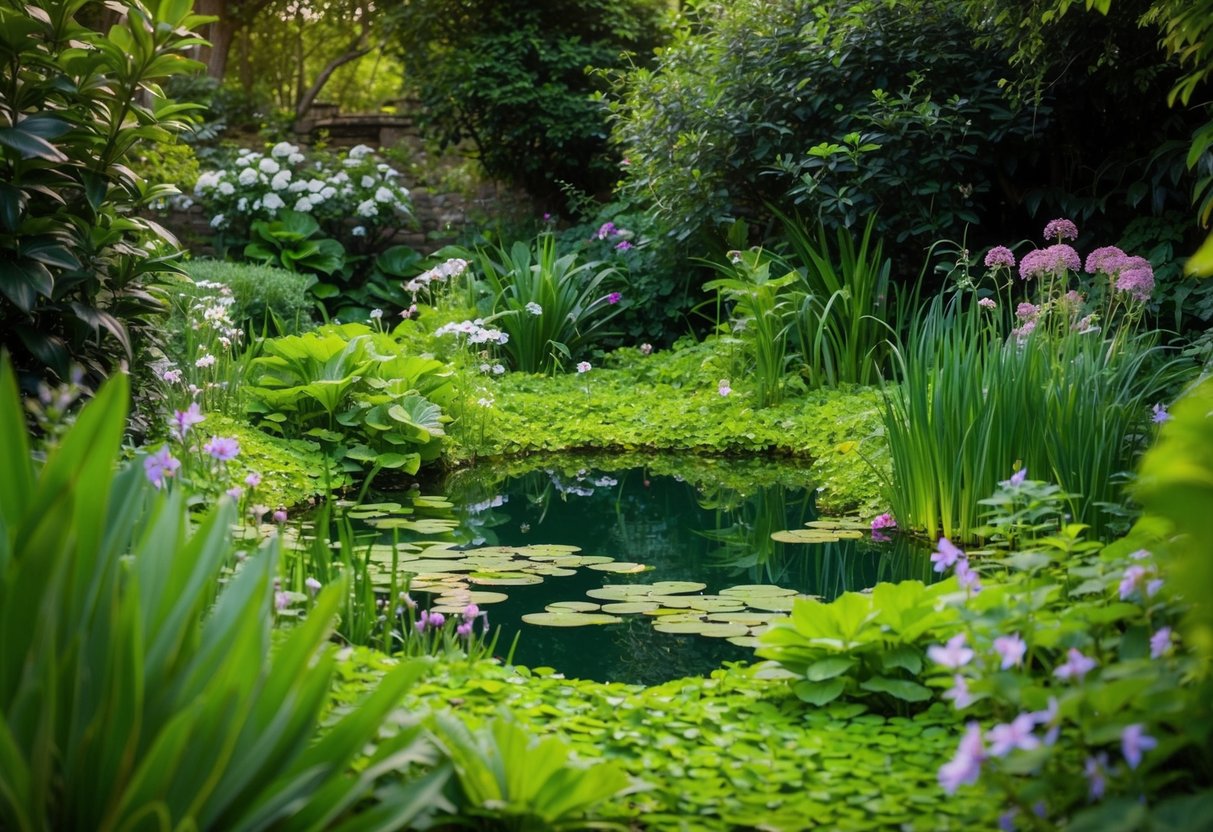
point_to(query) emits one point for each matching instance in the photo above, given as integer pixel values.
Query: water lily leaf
(551, 571)
(432, 502)
(715, 603)
(675, 587)
(756, 591)
(427, 566)
(804, 536)
(572, 606)
(611, 593)
(676, 601)
(750, 619)
(839, 523)
(463, 597)
(504, 579)
(630, 607)
(744, 641)
(683, 627)
(782, 603)
(569, 619)
(622, 567)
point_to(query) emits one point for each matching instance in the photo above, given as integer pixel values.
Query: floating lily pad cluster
(738, 614)
(823, 531)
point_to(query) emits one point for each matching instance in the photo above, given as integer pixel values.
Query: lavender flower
(437, 619)
(253, 479)
(1107, 259)
(607, 229)
(183, 420)
(470, 612)
(584, 367)
(952, 655)
(1052, 260)
(1131, 581)
(313, 585)
(946, 556)
(160, 466)
(1136, 280)
(987, 303)
(222, 448)
(1012, 649)
(1061, 230)
(235, 492)
(1160, 415)
(1026, 311)
(1134, 741)
(1075, 667)
(1095, 768)
(723, 388)
(1006, 738)
(884, 521)
(280, 516)
(464, 630)
(965, 767)
(1000, 257)
(968, 576)
(1050, 716)
(1016, 480)
(959, 693)
(1160, 643)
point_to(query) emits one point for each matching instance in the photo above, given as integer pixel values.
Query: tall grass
(571, 302)
(969, 407)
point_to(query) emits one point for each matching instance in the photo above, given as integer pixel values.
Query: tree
(518, 79)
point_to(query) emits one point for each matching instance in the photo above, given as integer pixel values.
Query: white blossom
(384, 195)
(268, 166)
(367, 208)
(281, 179)
(272, 202)
(367, 182)
(226, 188)
(248, 176)
(283, 149)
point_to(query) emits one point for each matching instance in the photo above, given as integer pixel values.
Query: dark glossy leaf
(29, 145)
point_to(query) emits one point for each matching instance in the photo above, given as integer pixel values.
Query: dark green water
(698, 525)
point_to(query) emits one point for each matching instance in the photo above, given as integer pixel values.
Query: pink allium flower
(952, 655)
(1000, 257)
(1052, 260)
(1137, 281)
(222, 448)
(471, 612)
(1134, 741)
(987, 303)
(464, 630)
(947, 555)
(1026, 311)
(884, 521)
(280, 516)
(1160, 643)
(1107, 259)
(965, 767)
(1075, 667)
(437, 619)
(1006, 738)
(1012, 649)
(160, 466)
(1061, 230)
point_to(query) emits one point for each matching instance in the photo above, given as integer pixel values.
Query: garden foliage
(79, 264)
(262, 297)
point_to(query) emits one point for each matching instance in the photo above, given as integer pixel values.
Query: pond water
(703, 521)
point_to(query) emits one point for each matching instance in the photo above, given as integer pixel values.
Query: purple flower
(1134, 741)
(222, 448)
(584, 367)
(1017, 479)
(607, 229)
(1051, 260)
(946, 556)
(723, 388)
(967, 576)
(471, 612)
(437, 619)
(235, 492)
(313, 585)
(1140, 554)
(952, 655)
(1006, 738)
(1006, 821)
(1000, 257)
(1026, 311)
(1061, 230)
(1107, 259)
(1095, 768)
(1160, 643)
(1012, 649)
(281, 600)
(423, 621)
(965, 767)
(464, 630)
(1075, 667)
(1136, 279)
(614, 297)
(987, 303)
(623, 245)
(959, 693)
(1132, 580)
(1050, 716)
(1152, 587)
(280, 516)
(160, 466)
(1160, 415)
(183, 420)
(253, 479)
(884, 521)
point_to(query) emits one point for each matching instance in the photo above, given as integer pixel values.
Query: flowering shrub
(354, 197)
(208, 365)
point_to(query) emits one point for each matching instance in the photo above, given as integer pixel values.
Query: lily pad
(504, 579)
(622, 567)
(572, 606)
(715, 603)
(805, 536)
(749, 619)
(744, 641)
(781, 603)
(756, 591)
(426, 565)
(840, 523)
(569, 619)
(676, 587)
(630, 607)
(472, 596)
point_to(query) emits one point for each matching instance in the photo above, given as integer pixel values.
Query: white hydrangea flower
(315, 185)
(242, 204)
(281, 180)
(384, 195)
(226, 188)
(283, 149)
(207, 181)
(272, 202)
(534, 308)
(244, 151)
(359, 231)
(247, 177)
(244, 161)
(368, 182)
(359, 151)
(218, 221)
(297, 186)
(295, 158)
(303, 204)
(328, 192)
(341, 178)
(367, 208)
(268, 166)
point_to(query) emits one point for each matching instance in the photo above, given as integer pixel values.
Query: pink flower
(437, 619)
(1012, 649)
(1006, 738)
(1134, 741)
(614, 297)
(1137, 281)
(160, 466)
(1026, 311)
(646, 349)
(959, 693)
(1160, 643)
(724, 389)
(965, 767)
(253, 479)
(1107, 259)
(222, 448)
(623, 245)
(884, 521)
(280, 516)
(1000, 257)
(607, 229)
(1052, 260)
(464, 630)
(584, 367)
(1131, 581)
(235, 492)
(1075, 667)
(1061, 230)
(313, 585)
(987, 303)
(952, 655)
(471, 612)
(946, 556)
(183, 420)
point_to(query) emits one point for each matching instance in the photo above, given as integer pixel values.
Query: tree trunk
(218, 33)
(305, 102)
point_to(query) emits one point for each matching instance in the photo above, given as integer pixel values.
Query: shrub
(133, 689)
(260, 294)
(78, 273)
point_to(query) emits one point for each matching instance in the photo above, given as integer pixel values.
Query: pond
(683, 546)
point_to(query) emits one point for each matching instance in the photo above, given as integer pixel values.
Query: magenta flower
(1012, 649)
(947, 555)
(1106, 259)
(1136, 279)
(1160, 643)
(1061, 230)
(423, 621)
(437, 619)
(183, 420)
(614, 297)
(965, 767)
(1000, 257)
(222, 448)
(959, 693)
(1095, 768)
(1160, 415)
(464, 630)
(884, 521)
(160, 466)
(280, 516)
(623, 245)
(1051, 260)
(607, 229)
(1134, 741)
(1006, 738)
(1075, 667)
(471, 612)
(952, 655)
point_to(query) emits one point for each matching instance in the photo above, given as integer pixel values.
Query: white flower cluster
(259, 185)
(475, 331)
(443, 271)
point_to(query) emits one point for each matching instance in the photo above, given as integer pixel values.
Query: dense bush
(77, 262)
(837, 112)
(260, 294)
(514, 78)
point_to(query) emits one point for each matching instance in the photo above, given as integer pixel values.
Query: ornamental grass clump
(1061, 383)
